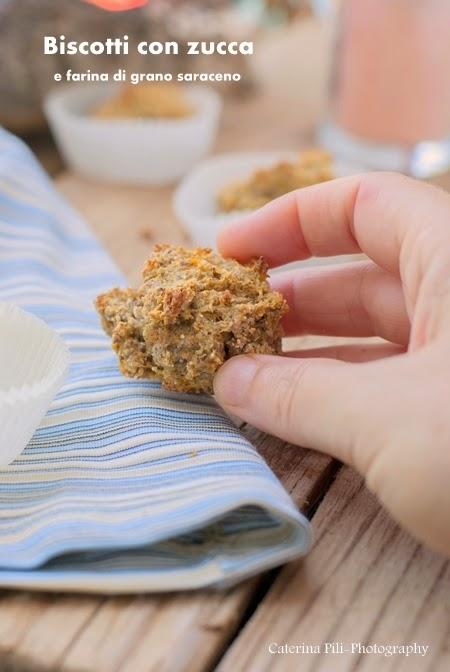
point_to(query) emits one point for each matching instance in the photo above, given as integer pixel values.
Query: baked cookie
(194, 311)
(264, 185)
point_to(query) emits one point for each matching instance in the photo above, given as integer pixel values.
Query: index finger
(371, 213)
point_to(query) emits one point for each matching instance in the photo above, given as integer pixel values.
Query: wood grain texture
(365, 581)
(178, 632)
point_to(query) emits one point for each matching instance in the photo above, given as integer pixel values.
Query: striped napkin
(124, 487)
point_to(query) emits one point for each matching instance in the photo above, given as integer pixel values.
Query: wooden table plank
(161, 633)
(365, 581)
(18, 611)
(59, 621)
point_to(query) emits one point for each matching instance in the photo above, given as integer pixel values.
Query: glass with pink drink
(390, 87)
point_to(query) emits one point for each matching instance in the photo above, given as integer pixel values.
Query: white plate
(195, 201)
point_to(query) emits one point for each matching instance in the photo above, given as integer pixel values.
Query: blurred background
(367, 79)
(277, 26)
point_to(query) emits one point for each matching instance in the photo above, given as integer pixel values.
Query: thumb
(317, 403)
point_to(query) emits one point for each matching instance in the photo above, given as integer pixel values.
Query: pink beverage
(392, 77)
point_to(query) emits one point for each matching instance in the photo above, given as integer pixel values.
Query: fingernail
(234, 379)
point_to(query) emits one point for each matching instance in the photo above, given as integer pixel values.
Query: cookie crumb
(146, 234)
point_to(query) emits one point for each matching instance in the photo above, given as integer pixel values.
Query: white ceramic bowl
(195, 199)
(131, 151)
(33, 364)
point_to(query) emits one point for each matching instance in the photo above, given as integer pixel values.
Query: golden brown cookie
(312, 166)
(193, 311)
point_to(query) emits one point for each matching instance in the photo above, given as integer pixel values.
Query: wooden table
(365, 580)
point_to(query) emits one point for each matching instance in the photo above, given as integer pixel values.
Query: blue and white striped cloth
(124, 487)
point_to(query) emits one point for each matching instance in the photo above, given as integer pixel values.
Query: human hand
(385, 409)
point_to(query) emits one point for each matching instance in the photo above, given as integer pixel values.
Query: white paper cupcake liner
(33, 364)
(131, 151)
